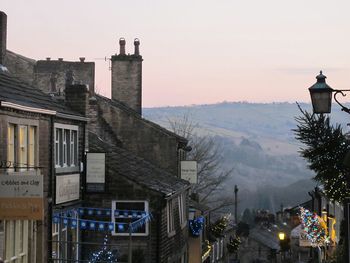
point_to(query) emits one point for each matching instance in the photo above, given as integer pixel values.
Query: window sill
(67, 169)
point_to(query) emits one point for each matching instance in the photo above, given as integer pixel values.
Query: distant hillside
(258, 142)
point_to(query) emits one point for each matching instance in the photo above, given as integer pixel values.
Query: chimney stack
(137, 49)
(127, 77)
(122, 43)
(3, 36)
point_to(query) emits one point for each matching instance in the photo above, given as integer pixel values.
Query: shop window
(16, 240)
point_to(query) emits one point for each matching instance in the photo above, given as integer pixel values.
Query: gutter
(26, 108)
(42, 111)
(172, 194)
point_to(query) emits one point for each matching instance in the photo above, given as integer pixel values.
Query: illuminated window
(11, 145)
(16, 240)
(21, 147)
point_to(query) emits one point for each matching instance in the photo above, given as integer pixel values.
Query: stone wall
(140, 136)
(157, 246)
(50, 75)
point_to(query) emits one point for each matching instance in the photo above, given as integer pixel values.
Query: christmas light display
(233, 244)
(196, 226)
(219, 226)
(104, 255)
(314, 227)
(68, 218)
(326, 148)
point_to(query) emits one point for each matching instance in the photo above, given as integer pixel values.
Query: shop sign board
(21, 197)
(95, 171)
(189, 171)
(67, 188)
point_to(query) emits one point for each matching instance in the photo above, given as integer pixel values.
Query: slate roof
(138, 116)
(15, 91)
(136, 169)
(264, 237)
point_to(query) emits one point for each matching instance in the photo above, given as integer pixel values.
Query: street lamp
(281, 236)
(321, 96)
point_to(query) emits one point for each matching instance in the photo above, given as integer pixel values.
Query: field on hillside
(258, 142)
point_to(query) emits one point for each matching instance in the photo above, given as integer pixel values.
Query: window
(66, 145)
(122, 229)
(55, 241)
(21, 146)
(16, 236)
(182, 209)
(63, 241)
(170, 217)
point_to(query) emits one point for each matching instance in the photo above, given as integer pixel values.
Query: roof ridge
(137, 115)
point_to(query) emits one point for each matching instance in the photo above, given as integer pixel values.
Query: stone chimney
(3, 36)
(76, 95)
(127, 77)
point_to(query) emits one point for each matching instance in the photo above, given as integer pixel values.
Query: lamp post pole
(236, 203)
(321, 98)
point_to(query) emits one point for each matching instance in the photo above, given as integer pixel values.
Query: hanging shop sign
(21, 196)
(189, 171)
(95, 171)
(67, 188)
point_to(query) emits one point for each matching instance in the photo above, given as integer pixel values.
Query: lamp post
(321, 98)
(282, 237)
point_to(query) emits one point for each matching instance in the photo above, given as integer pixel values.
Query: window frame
(18, 141)
(182, 210)
(170, 217)
(146, 209)
(17, 251)
(66, 157)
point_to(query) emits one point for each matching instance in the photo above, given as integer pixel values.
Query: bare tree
(211, 176)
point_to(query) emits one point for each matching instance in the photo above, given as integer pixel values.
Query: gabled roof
(136, 169)
(15, 91)
(135, 114)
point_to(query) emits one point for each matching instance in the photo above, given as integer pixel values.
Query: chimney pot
(137, 45)
(122, 43)
(82, 59)
(60, 59)
(48, 59)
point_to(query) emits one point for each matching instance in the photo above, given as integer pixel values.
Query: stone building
(42, 143)
(148, 155)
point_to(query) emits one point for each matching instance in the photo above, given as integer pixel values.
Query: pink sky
(195, 51)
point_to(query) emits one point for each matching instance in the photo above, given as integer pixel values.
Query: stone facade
(123, 169)
(50, 75)
(142, 137)
(32, 109)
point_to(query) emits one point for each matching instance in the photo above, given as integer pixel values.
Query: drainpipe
(51, 189)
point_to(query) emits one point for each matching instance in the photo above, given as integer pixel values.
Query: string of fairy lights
(314, 227)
